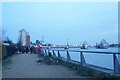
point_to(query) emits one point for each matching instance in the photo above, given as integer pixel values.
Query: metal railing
(116, 63)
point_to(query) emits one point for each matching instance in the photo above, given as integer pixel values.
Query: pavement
(26, 66)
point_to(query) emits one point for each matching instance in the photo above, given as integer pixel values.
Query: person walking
(39, 52)
(39, 49)
(27, 49)
(31, 49)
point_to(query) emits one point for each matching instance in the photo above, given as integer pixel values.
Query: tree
(7, 40)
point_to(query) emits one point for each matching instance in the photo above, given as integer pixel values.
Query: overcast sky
(58, 22)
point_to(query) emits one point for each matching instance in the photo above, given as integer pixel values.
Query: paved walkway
(25, 66)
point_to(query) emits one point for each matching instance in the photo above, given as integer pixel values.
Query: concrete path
(25, 66)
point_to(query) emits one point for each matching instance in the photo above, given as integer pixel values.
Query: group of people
(31, 49)
(23, 49)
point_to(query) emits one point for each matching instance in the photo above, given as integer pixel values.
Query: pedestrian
(20, 49)
(39, 52)
(23, 49)
(34, 49)
(27, 49)
(38, 49)
(31, 49)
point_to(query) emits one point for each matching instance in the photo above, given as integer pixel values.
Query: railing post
(42, 51)
(119, 58)
(45, 52)
(116, 64)
(59, 56)
(82, 58)
(48, 49)
(54, 55)
(49, 53)
(68, 55)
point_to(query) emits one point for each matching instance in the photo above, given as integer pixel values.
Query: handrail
(116, 63)
(79, 50)
(90, 51)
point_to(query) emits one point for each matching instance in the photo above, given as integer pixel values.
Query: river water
(102, 60)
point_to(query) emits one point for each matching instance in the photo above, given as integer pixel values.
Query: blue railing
(116, 63)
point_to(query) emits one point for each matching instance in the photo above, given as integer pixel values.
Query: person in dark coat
(31, 49)
(27, 49)
(23, 49)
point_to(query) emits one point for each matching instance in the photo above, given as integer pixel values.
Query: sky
(60, 22)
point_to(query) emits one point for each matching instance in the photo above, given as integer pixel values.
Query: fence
(82, 61)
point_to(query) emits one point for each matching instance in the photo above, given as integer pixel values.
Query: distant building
(84, 45)
(102, 45)
(24, 38)
(28, 40)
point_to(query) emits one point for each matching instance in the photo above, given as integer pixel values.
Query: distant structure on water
(102, 45)
(84, 45)
(67, 45)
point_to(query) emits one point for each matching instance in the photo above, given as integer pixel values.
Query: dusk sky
(57, 22)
